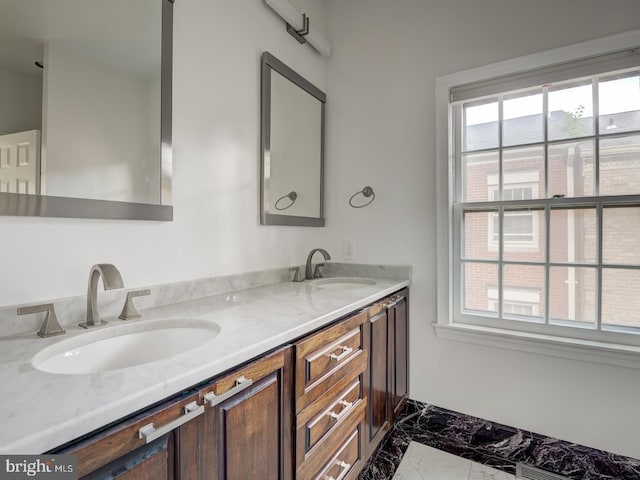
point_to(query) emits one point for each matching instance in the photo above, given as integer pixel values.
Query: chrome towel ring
(291, 196)
(366, 192)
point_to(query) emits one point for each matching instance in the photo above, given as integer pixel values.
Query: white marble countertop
(40, 411)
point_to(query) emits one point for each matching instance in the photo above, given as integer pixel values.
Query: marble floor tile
(497, 447)
(426, 463)
(482, 472)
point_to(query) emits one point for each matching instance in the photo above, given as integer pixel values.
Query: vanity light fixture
(298, 25)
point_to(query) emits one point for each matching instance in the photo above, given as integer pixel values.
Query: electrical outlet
(347, 250)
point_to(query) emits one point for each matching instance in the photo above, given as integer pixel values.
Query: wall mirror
(85, 108)
(292, 164)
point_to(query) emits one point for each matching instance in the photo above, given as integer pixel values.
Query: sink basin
(342, 282)
(123, 346)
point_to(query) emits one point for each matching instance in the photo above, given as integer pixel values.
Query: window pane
(620, 298)
(478, 279)
(572, 295)
(620, 236)
(480, 125)
(570, 112)
(523, 167)
(619, 103)
(523, 235)
(620, 165)
(503, 266)
(477, 245)
(480, 169)
(522, 119)
(524, 286)
(571, 169)
(573, 235)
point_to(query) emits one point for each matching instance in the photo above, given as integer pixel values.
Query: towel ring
(366, 192)
(291, 196)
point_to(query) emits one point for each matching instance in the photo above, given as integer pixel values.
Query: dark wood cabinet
(330, 401)
(234, 428)
(378, 418)
(122, 451)
(387, 374)
(397, 313)
(248, 434)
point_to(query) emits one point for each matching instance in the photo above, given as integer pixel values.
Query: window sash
(545, 324)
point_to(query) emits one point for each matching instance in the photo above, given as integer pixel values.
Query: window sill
(584, 350)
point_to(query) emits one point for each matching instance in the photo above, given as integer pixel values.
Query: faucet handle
(129, 310)
(316, 272)
(296, 276)
(50, 326)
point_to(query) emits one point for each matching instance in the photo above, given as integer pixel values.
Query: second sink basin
(123, 346)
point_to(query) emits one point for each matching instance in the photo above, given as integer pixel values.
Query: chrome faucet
(309, 272)
(111, 279)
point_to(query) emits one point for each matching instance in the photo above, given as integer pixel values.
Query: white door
(20, 162)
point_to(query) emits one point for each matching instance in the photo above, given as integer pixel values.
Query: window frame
(614, 347)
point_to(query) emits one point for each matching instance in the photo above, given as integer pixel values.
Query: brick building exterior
(573, 233)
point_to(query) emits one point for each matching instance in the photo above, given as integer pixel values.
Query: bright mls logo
(51, 467)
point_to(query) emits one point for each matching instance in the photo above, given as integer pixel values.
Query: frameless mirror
(85, 108)
(292, 163)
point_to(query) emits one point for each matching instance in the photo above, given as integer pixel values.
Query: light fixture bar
(295, 19)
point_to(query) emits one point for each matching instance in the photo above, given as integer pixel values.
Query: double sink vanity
(280, 380)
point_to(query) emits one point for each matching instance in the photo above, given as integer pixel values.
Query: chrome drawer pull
(345, 468)
(345, 352)
(150, 433)
(394, 302)
(241, 383)
(346, 406)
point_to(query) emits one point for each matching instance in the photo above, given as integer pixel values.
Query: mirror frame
(20, 204)
(269, 63)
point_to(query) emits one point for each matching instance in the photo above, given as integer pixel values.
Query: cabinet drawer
(325, 415)
(347, 462)
(339, 454)
(241, 378)
(326, 357)
(118, 441)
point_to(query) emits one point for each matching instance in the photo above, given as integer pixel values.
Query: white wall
(216, 135)
(381, 132)
(95, 142)
(21, 100)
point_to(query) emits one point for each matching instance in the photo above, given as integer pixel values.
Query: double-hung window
(544, 208)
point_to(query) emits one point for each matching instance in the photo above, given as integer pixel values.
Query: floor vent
(527, 472)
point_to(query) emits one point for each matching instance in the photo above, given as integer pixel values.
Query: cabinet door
(152, 462)
(122, 452)
(399, 351)
(248, 435)
(376, 377)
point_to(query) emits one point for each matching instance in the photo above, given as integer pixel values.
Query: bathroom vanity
(302, 381)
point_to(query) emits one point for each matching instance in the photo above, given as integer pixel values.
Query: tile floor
(426, 463)
(489, 444)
